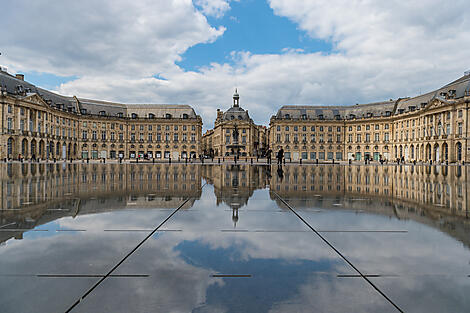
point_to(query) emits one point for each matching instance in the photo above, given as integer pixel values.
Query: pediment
(36, 99)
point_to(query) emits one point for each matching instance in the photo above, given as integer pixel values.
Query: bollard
(300, 161)
(251, 160)
(316, 161)
(169, 160)
(219, 160)
(223, 159)
(333, 161)
(153, 160)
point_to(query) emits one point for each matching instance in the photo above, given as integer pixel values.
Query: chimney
(20, 76)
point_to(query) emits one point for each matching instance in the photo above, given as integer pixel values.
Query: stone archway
(437, 153)
(458, 151)
(428, 156)
(445, 152)
(41, 149)
(10, 147)
(24, 148)
(33, 148)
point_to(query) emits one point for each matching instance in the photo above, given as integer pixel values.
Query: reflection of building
(441, 188)
(235, 134)
(433, 126)
(38, 123)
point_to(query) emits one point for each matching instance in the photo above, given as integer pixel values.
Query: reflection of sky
(292, 270)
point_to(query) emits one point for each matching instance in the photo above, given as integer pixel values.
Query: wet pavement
(234, 238)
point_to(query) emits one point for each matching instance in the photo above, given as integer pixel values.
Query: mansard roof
(20, 88)
(454, 90)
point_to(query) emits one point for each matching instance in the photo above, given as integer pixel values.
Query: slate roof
(454, 90)
(20, 88)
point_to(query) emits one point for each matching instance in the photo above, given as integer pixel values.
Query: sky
(276, 52)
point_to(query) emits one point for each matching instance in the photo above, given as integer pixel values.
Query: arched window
(185, 116)
(168, 115)
(134, 115)
(151, 115)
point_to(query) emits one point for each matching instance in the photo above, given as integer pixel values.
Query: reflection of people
(280, 172)
(280, 155)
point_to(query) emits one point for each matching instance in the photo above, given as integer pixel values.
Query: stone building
(429, 127)
(37, 123)
(235, 134)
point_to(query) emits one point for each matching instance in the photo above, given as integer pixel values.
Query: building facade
(39, 124)
(430, 127)
(235, 134)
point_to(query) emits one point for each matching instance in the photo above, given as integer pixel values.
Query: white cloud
(381, 50)
(110, 38)
(216, 8)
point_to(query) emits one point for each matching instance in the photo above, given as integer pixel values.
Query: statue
(235, 134)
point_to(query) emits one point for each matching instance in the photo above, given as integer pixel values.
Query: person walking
(280, 155)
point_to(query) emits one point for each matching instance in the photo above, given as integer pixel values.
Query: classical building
(429, 127)
(235, 134)
(37, 123)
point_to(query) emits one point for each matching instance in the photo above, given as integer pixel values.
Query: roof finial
(236, 98)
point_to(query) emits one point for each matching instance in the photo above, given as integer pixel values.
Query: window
(9, 108)
(376, 127)
(243, 139)
(175, 137)
(227, 139)
(376, 137)
(132, 136)
(278, 128)
(185, 116)
(103, 135)
(338, 129)
(286, 138)
(93, 135)
(102, 113)
(386, 126)
(367, 127)
(367, 137)
(358, 128)
(296, 128)
(9, 123)
(312, 128)
(278, 137)
(151, 116)
(358, 138)
(459, 129)
(287, 128)
(112, 136)
(159, 137)
(168, 116)
(134, 116)
(459, 113)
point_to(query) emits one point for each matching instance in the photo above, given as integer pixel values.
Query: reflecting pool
(234, 238)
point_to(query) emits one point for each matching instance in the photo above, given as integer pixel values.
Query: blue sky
(251, 26)
(277, 52)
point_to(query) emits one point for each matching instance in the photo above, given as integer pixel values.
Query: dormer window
(388, 113)
(134, 115)
(83, 111)
(151, 115)
(411, 108)
(400, 111)
(120, 114)
(240, 117)
(232, 117)
(320, 117)
(337, 117)
(304, 116)
(168, 116)
(287, 116)
(102, 113)
(369, 114)
(185, 116)
(352, 116)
